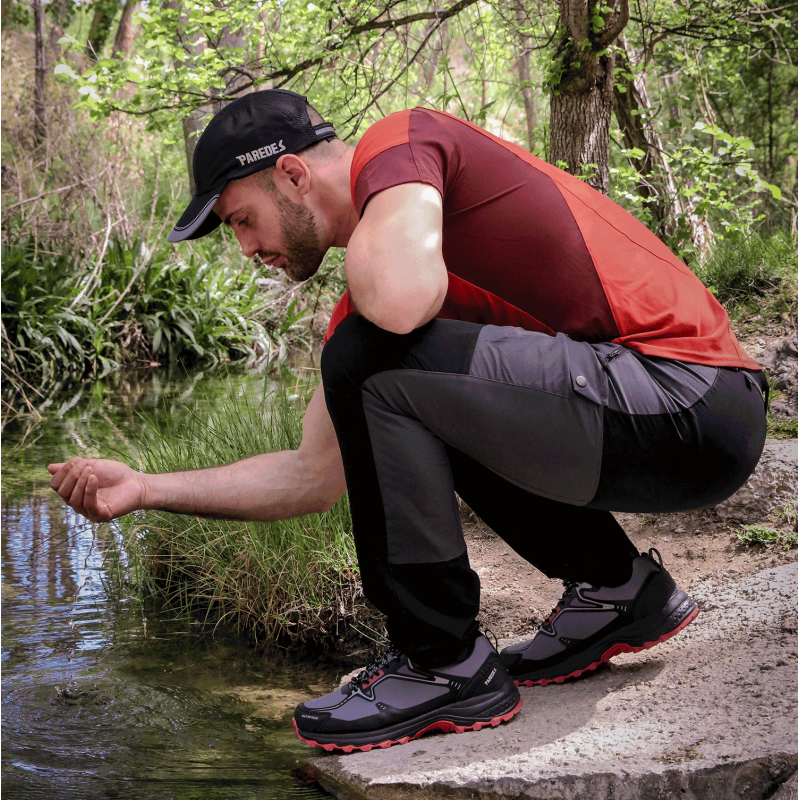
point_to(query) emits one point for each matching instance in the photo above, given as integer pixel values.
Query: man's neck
(344, 216)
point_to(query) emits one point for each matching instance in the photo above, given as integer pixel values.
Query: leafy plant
(137, 306)
(761, 535)
(745, 271)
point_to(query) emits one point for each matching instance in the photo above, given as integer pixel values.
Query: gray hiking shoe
(591, 624)
(394, 701)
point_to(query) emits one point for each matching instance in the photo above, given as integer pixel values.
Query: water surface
(102, 698)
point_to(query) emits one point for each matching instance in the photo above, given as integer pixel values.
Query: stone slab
(709, 715)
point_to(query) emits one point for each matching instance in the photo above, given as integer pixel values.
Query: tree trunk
(582, 94)
(126, 32)
(657, 184)
(579, 128)
(39, 122)
(524, 71)
(193, 126)
(100, 28)
(435, 55)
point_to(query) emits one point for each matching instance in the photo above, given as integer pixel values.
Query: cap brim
(198, 219)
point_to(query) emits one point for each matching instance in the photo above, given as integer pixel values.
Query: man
(508, 334)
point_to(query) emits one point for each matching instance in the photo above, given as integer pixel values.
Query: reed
(290, 581)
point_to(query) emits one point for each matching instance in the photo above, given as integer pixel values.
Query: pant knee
(359, 349)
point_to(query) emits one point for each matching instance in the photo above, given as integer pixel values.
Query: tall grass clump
(288, 581)
(754, 275)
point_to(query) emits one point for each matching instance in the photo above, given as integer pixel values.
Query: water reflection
(99, 699)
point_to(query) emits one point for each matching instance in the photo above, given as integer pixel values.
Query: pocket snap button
(581, 381)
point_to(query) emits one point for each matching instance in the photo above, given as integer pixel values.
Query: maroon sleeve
(423, 158)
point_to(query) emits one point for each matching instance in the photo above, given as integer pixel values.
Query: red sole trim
(612, 651)
(442, 725)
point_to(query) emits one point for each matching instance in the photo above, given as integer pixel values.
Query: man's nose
(248, 244)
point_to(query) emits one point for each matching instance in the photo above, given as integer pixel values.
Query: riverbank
(710, 714)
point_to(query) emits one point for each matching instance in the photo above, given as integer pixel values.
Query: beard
(301, 246)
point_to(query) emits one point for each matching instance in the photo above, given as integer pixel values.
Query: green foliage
(753, 535)
(781, 427)
(290, 579)
(135, 306)
(754, 274)
(718, 180)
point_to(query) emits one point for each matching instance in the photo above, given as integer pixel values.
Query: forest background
(684, 112)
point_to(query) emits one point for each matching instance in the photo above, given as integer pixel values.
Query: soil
(694, 546)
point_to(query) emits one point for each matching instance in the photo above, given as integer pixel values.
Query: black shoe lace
(488, 633)
(373, 669)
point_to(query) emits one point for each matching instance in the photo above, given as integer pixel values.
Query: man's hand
(99, 489)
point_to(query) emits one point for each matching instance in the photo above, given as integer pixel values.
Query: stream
(101, 698)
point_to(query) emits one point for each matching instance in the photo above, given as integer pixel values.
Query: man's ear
(292, 175)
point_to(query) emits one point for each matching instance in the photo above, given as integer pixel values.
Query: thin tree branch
(622, 18)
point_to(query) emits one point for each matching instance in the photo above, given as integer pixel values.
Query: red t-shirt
(529, 245)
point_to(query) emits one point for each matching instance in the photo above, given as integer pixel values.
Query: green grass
(756, 275)
(752, 535)
(288, 581)
(781, 427)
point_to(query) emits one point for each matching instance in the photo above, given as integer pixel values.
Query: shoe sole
(443, 725)
(686, 612)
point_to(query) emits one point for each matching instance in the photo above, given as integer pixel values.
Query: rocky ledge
(709, 715)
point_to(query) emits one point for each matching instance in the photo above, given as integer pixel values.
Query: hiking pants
(541, 436)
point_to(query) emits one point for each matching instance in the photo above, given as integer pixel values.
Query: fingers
(65, 478)
(71, 482)
(100, 512)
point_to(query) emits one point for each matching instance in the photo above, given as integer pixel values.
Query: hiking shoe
(591, 624)
(394, 701)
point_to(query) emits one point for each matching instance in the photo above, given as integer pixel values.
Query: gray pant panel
(530, 409)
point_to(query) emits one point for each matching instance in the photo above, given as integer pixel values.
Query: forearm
(265, 487)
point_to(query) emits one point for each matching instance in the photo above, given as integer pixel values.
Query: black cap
(248, 135)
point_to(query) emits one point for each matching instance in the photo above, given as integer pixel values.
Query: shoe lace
(373, 669)
(568, 588)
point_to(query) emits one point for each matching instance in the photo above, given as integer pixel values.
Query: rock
(771, 486)
(788, 791)
(780, 361)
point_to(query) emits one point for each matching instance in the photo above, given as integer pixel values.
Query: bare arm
(265, 487)
(395, 270)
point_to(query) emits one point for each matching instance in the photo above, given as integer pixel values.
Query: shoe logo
(491, 675)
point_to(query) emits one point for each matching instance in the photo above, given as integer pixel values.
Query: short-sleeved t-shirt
(528, 245)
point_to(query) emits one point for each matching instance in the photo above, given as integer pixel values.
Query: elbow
(402, 312)
(325, 503)
(398, 322)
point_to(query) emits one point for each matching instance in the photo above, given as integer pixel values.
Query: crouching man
(508, 334)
